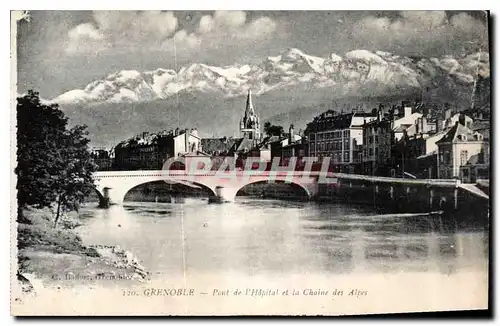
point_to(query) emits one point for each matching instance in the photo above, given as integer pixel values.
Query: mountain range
(291, 87)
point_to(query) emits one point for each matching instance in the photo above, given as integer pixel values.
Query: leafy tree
(54, 162)
(272, 130)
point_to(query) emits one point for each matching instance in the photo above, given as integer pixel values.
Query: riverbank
(56, 257)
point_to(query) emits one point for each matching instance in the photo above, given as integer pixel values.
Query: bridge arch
(114, 190)
(307, 194)
(182, 183)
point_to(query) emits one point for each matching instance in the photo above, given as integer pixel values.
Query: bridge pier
(223, 195)
(111, 196)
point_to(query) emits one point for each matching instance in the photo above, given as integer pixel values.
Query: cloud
(85, 31)
(420, 31)
(120, 28)
(261, 27)
(207, 24)
(155, 29)
(190, 40)
(230, 19)
(85, 38)
(138, 25)
(232, 26)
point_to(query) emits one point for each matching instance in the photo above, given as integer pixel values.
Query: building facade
(103, 158)
(459, 147)
(340, 137)
(149, 151)
(217, 146)
(377, 144)
(405, 122)
(298, 149)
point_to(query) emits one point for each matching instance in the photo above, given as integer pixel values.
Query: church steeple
(249, 111)
(250, 124)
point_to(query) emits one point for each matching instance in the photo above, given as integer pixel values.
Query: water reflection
(271, 236)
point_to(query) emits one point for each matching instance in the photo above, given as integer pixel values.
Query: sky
(63, 50)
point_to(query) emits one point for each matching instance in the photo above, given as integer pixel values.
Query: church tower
(250, 124)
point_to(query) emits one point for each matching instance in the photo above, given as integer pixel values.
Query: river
(281, 238)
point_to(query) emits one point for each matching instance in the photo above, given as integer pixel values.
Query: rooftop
(456, 131)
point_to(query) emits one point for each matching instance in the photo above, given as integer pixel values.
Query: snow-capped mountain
(357, 73)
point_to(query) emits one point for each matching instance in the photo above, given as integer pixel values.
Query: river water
(280, 238)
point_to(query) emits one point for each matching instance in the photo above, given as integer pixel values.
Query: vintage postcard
(214, 163)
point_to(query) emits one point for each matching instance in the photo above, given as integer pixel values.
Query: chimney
(176, 132)
(447, 114)
(291, 135)
(393, 113)
(438, 125)
(461, 119)
(186, 140)
(408, 110)
(194, 132)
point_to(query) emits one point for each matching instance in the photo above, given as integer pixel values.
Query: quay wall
(406, 197)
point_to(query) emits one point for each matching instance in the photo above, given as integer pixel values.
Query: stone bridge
(114, 185)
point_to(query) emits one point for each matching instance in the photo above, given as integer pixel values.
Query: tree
(54, 162)
(272, 130)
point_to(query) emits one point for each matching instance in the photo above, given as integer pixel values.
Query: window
(480, 157)
(463, 157)
(346, 156)
(371, 152)
(446, 157)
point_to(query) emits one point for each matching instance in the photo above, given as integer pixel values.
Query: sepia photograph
(250, 163)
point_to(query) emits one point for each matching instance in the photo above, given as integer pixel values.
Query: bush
(41, 235)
